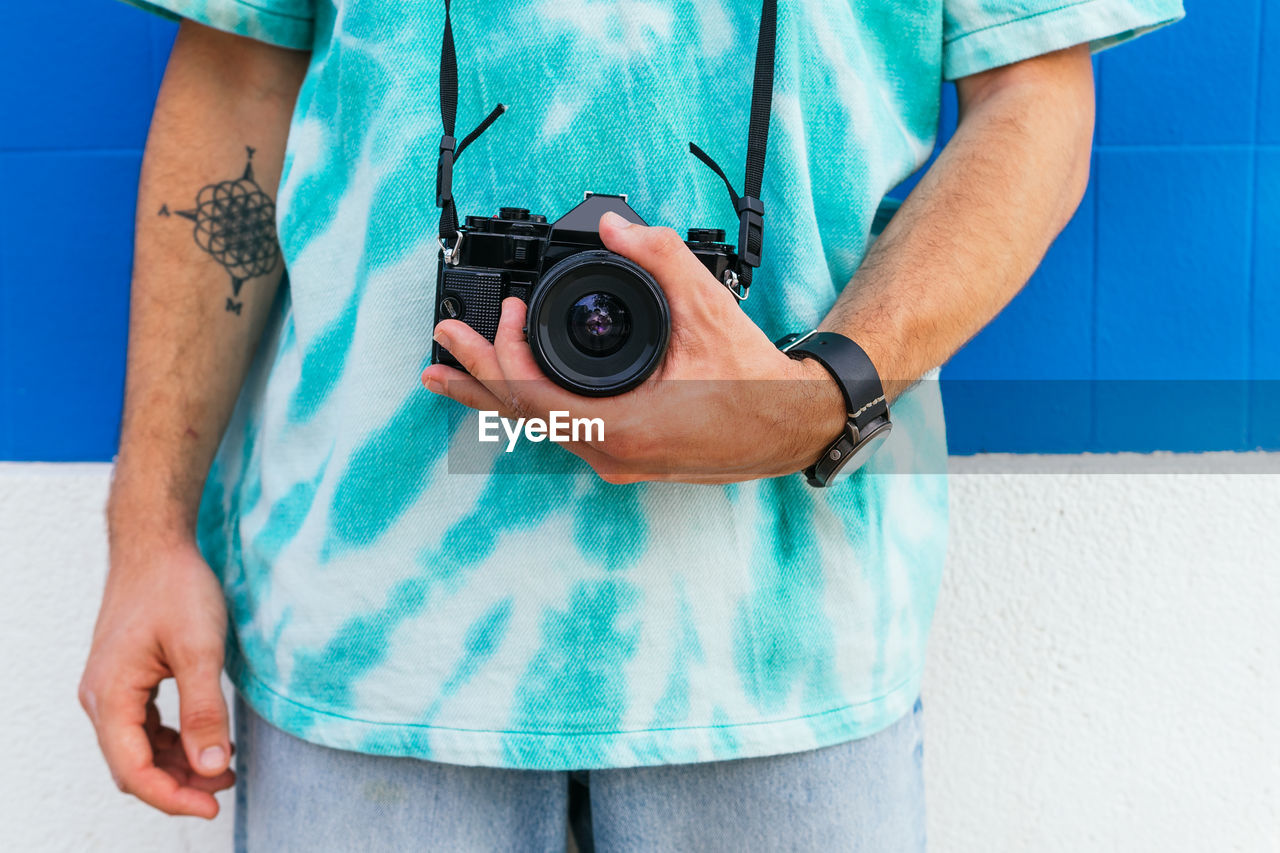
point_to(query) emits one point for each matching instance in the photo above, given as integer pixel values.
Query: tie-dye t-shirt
(381, 601)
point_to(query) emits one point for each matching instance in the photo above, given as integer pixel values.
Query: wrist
(148, 523)
(144, 545)
(824, 411)
(867, 423)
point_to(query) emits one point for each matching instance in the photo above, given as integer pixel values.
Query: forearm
(205, 270)
(978, 224)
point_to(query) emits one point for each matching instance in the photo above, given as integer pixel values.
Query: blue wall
(1170, 273)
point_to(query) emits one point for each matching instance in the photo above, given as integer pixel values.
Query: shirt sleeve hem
(241, 17)
(1100, 23)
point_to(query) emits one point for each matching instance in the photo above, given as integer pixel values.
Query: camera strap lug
(451, 253)
(735, 285)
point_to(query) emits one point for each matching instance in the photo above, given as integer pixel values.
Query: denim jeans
(865, 795)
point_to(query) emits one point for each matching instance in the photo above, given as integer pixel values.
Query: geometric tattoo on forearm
(235, 222)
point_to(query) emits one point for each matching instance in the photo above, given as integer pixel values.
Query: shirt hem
(572, 750)
(1100, 23)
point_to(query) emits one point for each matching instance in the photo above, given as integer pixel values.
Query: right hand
(163, 615)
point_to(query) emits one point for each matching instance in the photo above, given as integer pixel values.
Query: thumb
(202, 710)
(659, 250)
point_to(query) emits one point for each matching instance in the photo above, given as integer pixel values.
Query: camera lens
(599, 324)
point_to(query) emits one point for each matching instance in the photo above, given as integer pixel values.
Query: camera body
(598, 323)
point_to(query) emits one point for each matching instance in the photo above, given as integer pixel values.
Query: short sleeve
(285, 23)
(979, 35)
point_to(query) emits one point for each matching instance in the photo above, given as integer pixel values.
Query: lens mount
(598, 324)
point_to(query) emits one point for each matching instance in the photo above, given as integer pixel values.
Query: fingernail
(616, 221)
(440, 337)
(212, 758)
(434, 386)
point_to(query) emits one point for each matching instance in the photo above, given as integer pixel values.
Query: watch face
(869, 444)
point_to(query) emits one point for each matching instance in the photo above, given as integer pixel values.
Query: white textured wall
(1104, 675)
(1105, 667)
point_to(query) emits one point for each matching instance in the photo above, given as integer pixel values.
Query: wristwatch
(868, 424)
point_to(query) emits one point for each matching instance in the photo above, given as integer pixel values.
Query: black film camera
(597, 323)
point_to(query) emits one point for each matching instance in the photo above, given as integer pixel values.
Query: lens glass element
(599, 324)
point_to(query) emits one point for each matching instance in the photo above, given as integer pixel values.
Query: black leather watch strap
(852, 369)
(868, 414)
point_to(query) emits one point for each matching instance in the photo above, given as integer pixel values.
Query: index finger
(475, 353)
(526, 383)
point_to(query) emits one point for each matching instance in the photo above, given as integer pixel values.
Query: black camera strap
(450, 148)
(749, 207)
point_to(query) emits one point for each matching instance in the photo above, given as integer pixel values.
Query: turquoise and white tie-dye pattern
(380, 602)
